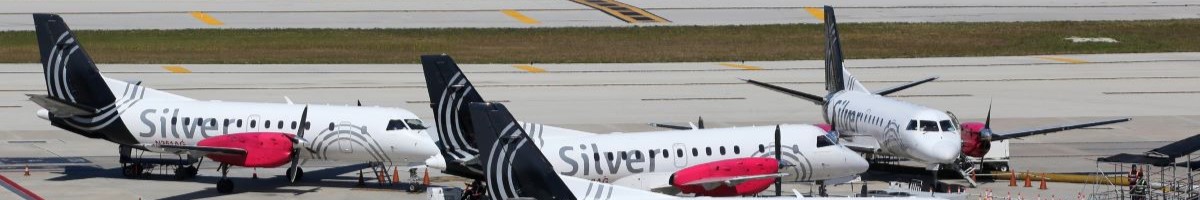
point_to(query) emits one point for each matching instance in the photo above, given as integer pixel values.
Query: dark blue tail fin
(514, 166)
(449, 94)
(72, 80)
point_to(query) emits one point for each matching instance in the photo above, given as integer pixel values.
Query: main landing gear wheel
(299, 174)
(132, 170)
(225, 186)
(185, 172)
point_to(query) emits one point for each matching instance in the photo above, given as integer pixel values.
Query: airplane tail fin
(514, 166)
(70, 74)
(449, 94)
(77, 97)
(836, 76)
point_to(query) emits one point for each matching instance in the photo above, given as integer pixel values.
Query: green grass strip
(615, 45)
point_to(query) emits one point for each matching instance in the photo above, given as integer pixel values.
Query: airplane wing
(862, 145)
(1020, 134)
(897, 88)
(202, 150)
(713, 182)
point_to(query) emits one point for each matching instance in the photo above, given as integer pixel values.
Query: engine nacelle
(730, 168)
(974, 143)
(263, 149)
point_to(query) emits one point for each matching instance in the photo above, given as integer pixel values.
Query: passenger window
(722, 150)
(186, 121)
(212, 122)
(279, 124)
(199, 121)
(252, 122)
(666, 154)
(823, 141)
(608, 155)
(623, 156)
(239, 123)
(652, 152)
(173, 120)
(912, 125)
(225, 123)
(946, 125)
(597, 156)
(293, 125)
(331, 126)
(736, 150)
(267, 124)
(695, 153)
(395, 124)
(927, 125)
(678, 152)
(415, 124)
(307, 125)
(762, 149)
(708, 151)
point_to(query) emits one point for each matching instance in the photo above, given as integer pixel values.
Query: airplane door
(344, 128)
(252, 119)
(680, 159)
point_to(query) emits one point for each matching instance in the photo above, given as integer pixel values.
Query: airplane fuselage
(608, 157)
(902, 129)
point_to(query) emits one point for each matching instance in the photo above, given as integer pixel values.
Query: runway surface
(194, 14)
(1158, 90)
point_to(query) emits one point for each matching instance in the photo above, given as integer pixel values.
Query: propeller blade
(778, 158)
(987, 122)
(296, 150)
(700, 123)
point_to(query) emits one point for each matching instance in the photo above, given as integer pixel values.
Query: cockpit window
(926, 125)
(947, 125)
(912, 125)
(395, 124)
(415, 124)
(823, 141)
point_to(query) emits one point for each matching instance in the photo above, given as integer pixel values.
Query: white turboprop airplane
(898, 128)
(514, 168)
(645, 160)
(81, 100)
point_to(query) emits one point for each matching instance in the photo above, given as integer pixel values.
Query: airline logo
(503, 152)
(449, 106)
(58, 85)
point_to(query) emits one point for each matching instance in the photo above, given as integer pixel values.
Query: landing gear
(299, 174)
(133, 170)
(225, 185)
(185, 172)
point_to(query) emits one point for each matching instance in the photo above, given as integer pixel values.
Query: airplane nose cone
(425, 147)
(945, 151)
(855, 163)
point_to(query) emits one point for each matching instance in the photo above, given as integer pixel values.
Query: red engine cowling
(726, 168)
(974, 143)
(263, 149)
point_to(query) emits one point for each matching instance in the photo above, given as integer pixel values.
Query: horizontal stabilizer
(897, 88)
(59, 108)
(806, 96)
(1020, 134)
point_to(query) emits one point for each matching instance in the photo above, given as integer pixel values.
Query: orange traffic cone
(1012, 179)
(1043, 186)
(395, 175)
(1028, 183)
(425, 180)
(26, 169)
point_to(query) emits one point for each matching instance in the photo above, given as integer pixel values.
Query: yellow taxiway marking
(741, 66)
(816, 12)
(520, 17)
(1062, 59)
(622, 11)
(207, 19)
(530, 68)
(177, 69)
